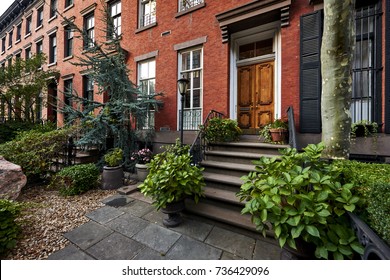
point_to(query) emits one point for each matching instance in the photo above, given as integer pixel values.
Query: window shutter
(387, 73)
(310, 72)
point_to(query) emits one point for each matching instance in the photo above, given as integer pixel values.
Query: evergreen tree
(119, 121)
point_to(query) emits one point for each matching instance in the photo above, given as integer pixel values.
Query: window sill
(143, 28)
(67, 58)
(68, 8)
(17, 41)
(2, 52)
(27, 35)
(39, 27)
(52, 18)
(9, 47)
(190, 10)
(52, 64)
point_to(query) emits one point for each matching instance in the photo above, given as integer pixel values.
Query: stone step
(233, 169)
(248, 147)
(222, 179)
(236, 157)
(222, 195)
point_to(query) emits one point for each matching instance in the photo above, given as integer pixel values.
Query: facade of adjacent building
(248, 59)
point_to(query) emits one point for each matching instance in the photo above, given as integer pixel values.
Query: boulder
(12, 179)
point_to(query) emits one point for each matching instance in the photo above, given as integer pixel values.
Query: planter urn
(142, 171)
(173, 211)
(112, 177)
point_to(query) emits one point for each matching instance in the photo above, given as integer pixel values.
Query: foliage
(76, 179)
(172, 177)
(35, 151)
(114, 157)
(126, 108)
(221, 130)
(10, 129)
(21, 84)
(302, 196)
(9, 230)
(368, 128)
(276, 124)
(142, 156)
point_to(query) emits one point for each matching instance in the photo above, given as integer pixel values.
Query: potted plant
(275, 132)
(364, 128)
(112, 177)
(142, 158)
(302, 198)
(221, 130)
(171, 179)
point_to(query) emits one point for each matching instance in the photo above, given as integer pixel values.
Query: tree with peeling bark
(336, 65)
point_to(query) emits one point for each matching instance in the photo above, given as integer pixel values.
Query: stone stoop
(225, 164)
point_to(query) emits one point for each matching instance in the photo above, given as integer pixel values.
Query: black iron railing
(291, 128)
(199, 145)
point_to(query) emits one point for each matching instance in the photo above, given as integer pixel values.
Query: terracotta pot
(112, 177)
(142, 171)
(278, 134)
(173, 210)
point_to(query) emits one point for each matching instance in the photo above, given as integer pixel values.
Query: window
(89, 29)
(68, 41)
(52, 48)
(68, 89)
(28, 24)
(88, 88)
(3, 44)
(53, 8)
(27, 53)
(115, 30)
(10, 36)
(187, 4)
(147, 81)
(191, 68)
(68, 3)
(19, 32)
(147, 12)
(40, 16)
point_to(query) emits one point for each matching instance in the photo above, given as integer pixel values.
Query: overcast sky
(4, 4)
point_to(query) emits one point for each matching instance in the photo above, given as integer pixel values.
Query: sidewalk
(128, 227)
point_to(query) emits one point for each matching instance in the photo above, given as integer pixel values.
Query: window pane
(186, 61)
(196, 59)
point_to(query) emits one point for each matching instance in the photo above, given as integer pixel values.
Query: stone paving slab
(117, 200)
(266, 251)
(155, 217)
(235, 243)
(127, 224)
(149, 254)
(105, 214)
(195, 229)
(187, 248)
(115, 247)
(87, 234)
(70, 252)
(157, 238)
(138, 208)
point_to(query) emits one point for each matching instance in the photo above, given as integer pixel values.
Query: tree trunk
(336, 65)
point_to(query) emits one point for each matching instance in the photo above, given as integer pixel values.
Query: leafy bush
(10, 129)
(172, 177)
(76, 179)
(302, 196)
(9, 229)
(34, 150)
(221, 130)
(114, 157)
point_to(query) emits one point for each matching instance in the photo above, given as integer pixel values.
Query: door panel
(255, 96)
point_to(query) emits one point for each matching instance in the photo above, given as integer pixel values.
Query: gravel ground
(48, 217)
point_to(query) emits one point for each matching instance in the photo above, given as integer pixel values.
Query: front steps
(225, 164)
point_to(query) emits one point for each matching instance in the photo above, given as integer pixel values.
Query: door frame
(266, 31)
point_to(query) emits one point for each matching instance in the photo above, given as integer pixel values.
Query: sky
(4, 4)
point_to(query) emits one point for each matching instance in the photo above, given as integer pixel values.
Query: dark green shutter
(387, 73)
(310, 72)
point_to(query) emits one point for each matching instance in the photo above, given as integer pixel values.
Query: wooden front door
(255, 106)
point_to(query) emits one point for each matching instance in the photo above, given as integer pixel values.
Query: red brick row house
(249, 59)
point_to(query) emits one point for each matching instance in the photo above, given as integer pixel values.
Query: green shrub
(221, 130)
(35, 150)
(9, 229)
(301, 196)
(114, 157)
(76, 179)
(10, 129)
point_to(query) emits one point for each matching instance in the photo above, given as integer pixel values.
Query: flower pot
(142, 171)
(278, 134)
(112, 177)
(173, 210)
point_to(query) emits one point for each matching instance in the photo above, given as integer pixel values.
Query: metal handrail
(291, 128)
(199, 145)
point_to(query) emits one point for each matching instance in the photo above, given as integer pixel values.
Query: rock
(12, 179)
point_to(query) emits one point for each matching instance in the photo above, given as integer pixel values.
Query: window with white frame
(10, 37)
(191, 68)
(68, 34)
(147, 12)
(3, 47)
(27, 53)
(68, 3)
(89, 29)
(19, 32)
(53, 8)
(88, 88)
(187, 4)
(146, 82)
(28, 24)
(40, 16)
(115, 13)
(52, 48)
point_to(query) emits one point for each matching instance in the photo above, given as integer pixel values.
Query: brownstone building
(249, 59)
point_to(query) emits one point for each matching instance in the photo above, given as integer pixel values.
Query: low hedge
(76, 179)
(9, 229)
